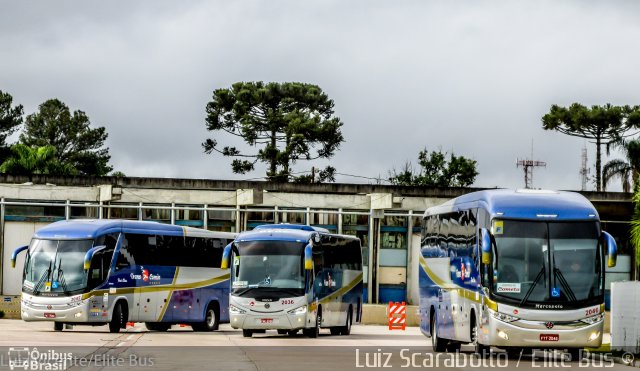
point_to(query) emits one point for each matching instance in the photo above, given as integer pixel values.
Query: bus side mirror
(89, 255)
(485, 245)
(226, 257)
(611, 248)
(15, 254)
(308, 257)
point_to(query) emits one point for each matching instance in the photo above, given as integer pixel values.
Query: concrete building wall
(16, 234)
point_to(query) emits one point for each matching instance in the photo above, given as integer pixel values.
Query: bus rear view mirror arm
(89, 255)
(226, 257)
(485, 245)
(308, 257)
(14, 255)
(611, 247)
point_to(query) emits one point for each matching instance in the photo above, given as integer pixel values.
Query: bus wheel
(453, 346)
(576, 354)
(118, 319)
(58, 326)
(480, 350)
(346, 329)
(438, 344)
(157, 326)
(315, 331)
(211, 320)
(514, 352)
(247, 333)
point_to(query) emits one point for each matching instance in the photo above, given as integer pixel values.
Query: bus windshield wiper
(45, 275)
(563, 282)
(565, 285)
(533, 285)
(61, 279)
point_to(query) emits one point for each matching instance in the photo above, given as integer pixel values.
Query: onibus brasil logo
(33, 359)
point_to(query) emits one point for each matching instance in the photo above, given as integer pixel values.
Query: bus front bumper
(270, 321)
(505, 334)
(41, 309)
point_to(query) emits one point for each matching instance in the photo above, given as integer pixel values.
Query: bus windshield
(56, 266)
(269, 265)
(538, 262)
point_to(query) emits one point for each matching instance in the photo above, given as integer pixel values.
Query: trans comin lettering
(549, 306)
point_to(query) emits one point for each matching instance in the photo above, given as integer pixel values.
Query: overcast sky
(472, 77)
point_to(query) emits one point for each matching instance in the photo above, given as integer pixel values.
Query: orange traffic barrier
(397, 313)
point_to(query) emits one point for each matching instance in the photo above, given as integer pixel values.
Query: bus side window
(124, 259)
(101, 262)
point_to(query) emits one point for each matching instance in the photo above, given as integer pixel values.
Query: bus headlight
(504, 317)
(593, 320)
(235, 310)
(299, 310)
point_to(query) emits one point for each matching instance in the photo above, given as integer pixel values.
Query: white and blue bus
(98, 272)
(289, 277)
(517, 270)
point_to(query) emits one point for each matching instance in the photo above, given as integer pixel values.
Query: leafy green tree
(10, 120)
(602, 124)
(77, 144)
(284, 122)
(635, 227)
(27, 160)
(326, 175)
(436, 170)
(628, 171)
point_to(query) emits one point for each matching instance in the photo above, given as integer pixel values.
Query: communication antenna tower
(528, 165)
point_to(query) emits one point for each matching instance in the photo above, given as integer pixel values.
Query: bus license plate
(266, 320)
(49, 315)
(549, 337)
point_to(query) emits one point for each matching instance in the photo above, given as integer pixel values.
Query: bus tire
(157, 326)
(480, 350)
(118, 319)
(439, 344)
(315, 330)
(346, 329)
(247, 333)
(515, 352)
(575, 354)
(211, 319)
(453, 346)
(58, 326)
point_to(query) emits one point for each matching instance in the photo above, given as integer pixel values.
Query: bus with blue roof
(517, 270)
(110, 272)
(289, 278)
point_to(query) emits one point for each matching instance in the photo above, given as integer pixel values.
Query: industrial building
(386, 218)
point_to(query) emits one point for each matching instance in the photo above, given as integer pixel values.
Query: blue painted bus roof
(284, 232)
(523, 204)
(91, 228)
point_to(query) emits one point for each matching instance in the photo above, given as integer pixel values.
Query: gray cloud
(469, 77)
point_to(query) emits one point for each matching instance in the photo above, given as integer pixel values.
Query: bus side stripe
(343, 290)
(168, 301)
